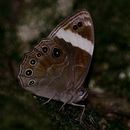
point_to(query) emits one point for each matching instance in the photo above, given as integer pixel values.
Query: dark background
(24, 22)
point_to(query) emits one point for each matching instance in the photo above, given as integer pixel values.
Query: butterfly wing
(33, 71)
(80, 23)
(44, 70)
(78, 32)
(56, 68)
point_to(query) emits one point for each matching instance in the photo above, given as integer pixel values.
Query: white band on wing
(76, 40)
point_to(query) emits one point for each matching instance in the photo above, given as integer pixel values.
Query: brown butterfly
(57, 67)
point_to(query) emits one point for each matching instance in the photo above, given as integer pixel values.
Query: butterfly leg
(65, 104)
(48, 100)
(62, 106)
(79, 105)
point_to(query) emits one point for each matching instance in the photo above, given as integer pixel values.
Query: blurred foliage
(24, 22)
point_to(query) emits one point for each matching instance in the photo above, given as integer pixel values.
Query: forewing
(77, 31)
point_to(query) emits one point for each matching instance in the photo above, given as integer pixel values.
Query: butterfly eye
(80, 24)
(81, 93)
(75, 27)
(28, 72)
(32, 62)
(45, 49)
(31, 82)
(56, 52)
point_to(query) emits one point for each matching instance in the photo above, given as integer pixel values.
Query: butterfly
(57, 66)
